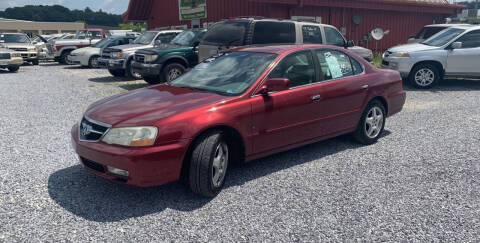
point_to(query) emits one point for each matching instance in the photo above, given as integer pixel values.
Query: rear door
(285, 118)
(466, 60)
(342, 90)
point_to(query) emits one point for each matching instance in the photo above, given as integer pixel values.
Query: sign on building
(192, 9)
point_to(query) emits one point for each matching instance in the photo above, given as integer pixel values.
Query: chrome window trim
(94, 122)
(305, 85)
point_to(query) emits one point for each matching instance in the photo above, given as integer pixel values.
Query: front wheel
(172, 71)
(93, 62)
(13, 69)
(208, 164)
(424, 76)
(64, 58)
(372, 123)
(130, 72)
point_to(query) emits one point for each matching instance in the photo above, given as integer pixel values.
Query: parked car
(238, 106)
(41, 44)
(167, 62)
(430, 30)
(10, 60)
(452, 52)
(20, 43)
(253, 31)
(118, 59)
(60, 49)
(88, 56)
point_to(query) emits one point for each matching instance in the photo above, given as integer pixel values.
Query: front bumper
(146, 69)
(402, 65)
(150, 166)
(77, 60)
(111, 63)
(13, 62)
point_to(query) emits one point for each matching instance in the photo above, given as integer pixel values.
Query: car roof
(447, 25)
(277, 20)
(280, 49)
(467, 27)
(166, 31)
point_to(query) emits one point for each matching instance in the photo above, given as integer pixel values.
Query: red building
(402, 17)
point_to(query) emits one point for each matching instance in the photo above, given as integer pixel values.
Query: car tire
(152, 80)
(172, 71)
(371, 124)
(424, 76)
(13, 69)
(130, 73)
(64, 58)
(116, 72)
(93, 62)
(209, 164)
(35, 62)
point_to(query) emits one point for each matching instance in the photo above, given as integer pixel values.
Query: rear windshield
(226, 33)
(274, 32)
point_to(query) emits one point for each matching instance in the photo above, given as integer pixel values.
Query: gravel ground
(420, 182)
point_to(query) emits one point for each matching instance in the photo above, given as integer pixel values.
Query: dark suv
(167, 62)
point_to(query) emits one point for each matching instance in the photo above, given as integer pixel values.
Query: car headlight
(151, 58)
(401, 54)
(131, 136)
(116, 54)
(82, 54)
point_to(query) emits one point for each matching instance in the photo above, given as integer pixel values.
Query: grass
(377, 60)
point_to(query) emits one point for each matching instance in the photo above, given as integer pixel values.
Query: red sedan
(238, 106)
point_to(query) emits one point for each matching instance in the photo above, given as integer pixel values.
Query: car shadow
(447, 85)
(95, 199)
(110, 79)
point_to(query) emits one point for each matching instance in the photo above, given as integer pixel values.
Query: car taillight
(57, 47)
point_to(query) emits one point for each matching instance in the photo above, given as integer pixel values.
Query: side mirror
(350, 43)
(457, 45)
(274, 85)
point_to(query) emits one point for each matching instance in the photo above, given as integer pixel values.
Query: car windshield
(227, 74)
(103, 43)
(443, 37)
(81, 35)
(14, 38)
(145, 39)
(185, 38)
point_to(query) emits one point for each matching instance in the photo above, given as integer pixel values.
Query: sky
(111, 6)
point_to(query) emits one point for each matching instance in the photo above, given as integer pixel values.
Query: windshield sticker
(333, 65)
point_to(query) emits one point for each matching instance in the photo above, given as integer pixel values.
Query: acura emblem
(86, 129)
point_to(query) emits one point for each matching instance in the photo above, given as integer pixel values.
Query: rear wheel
(152, 80)
(172, 71)
(424, 76)
(13, 69)
(116, 72)
(93, 62)
(372, 123)
(209, 163)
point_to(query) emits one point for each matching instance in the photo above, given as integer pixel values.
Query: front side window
(166, 38)
(443, 37)
(312, 34)
(14, 38)
(266, 32)
(333, 37)
(335, 65)
(228, 74)
(297, 67)
(470, 40)
(145, 39)
(95, 35)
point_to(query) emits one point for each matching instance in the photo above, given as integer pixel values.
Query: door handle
(316, 97)
(365, 86)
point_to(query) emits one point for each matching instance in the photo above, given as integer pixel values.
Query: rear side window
(471, 39)
(297, 67)
(273, 32)
(333, 37)
(311, 34)
(334, 64)
(166, 38)
(226, 33)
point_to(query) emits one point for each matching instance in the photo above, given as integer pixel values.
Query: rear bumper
(147, 70)
(147, 167)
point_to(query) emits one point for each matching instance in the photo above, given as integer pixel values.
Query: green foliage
(57, 13)
(377, 60)
(131, 26)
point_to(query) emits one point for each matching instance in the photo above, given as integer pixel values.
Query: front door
(284, 117)
(466, 60)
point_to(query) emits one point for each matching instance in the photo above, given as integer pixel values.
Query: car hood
(130, 47)
(17, 45)
(74, 42)
(87, 50)
(412, 48)
(146, 106)
(165, 48)
(361, 51)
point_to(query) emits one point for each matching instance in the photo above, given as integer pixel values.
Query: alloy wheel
(424, 77)
(374, 122)
(174, 73)
(220, 164)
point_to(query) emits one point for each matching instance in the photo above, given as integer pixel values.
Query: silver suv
(452, 52)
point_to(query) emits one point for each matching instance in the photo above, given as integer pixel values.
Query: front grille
(140, 58)
(4, 55)
(93, 165)
(92, 131)
(19, 49)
